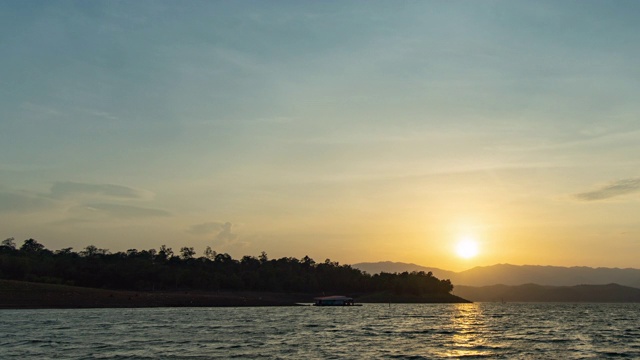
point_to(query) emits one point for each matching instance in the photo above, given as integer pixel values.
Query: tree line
(164, 269)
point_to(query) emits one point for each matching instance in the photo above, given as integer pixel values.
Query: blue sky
(359, 132)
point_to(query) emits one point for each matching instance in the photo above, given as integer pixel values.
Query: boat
(335, 300)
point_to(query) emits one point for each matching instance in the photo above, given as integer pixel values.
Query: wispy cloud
(89, 202)
(205, 228)
(616, 188)
(124, 211)
(225, 236)
(222, 231)
(22, 202)
(41, 109)
(69, 188)
(100, 114)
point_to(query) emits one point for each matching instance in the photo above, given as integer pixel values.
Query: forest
(166, 270)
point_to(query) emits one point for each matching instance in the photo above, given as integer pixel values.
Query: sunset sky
(355, 131)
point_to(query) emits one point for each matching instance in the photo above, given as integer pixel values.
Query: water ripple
(409, 331)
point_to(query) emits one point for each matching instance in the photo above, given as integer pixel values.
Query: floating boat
(335, 300)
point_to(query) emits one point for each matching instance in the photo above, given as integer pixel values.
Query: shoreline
(28, 295)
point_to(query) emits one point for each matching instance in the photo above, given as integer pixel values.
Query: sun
(467, 248)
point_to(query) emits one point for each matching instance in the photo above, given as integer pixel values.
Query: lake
(373, 331)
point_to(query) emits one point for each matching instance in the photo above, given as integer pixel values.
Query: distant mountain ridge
(540, 293)
(507, 274)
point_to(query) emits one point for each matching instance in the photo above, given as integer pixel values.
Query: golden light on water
(467, 340)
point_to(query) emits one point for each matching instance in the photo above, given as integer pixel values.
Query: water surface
(373, 331)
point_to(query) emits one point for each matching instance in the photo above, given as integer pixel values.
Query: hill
(518, 274)
(539, 293)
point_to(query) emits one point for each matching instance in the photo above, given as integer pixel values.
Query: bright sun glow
(467, 248)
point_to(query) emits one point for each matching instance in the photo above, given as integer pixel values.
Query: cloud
(21, 202)
(616, 188)
(101, 114)
(225, 236)
(69, 188)
(222, 231)
(97, 192)
(205, 228)
(93, 204)
(124, 211)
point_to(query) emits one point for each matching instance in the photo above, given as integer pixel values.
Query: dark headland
(32, 276)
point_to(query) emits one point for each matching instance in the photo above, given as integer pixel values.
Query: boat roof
(333, 297)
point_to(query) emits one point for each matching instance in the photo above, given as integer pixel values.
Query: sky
(354, 131)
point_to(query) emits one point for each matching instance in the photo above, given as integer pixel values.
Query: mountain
(507, 274)
(539, 293)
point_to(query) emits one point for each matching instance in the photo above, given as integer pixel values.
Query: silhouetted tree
(64, 251)
(9, 243)
(187, 253)
(148, 269)
(209, 253)
(263, 257)
(165, 253)
(93, 251)
(31, 246)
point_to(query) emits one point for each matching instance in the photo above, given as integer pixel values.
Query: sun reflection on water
(467, 328)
